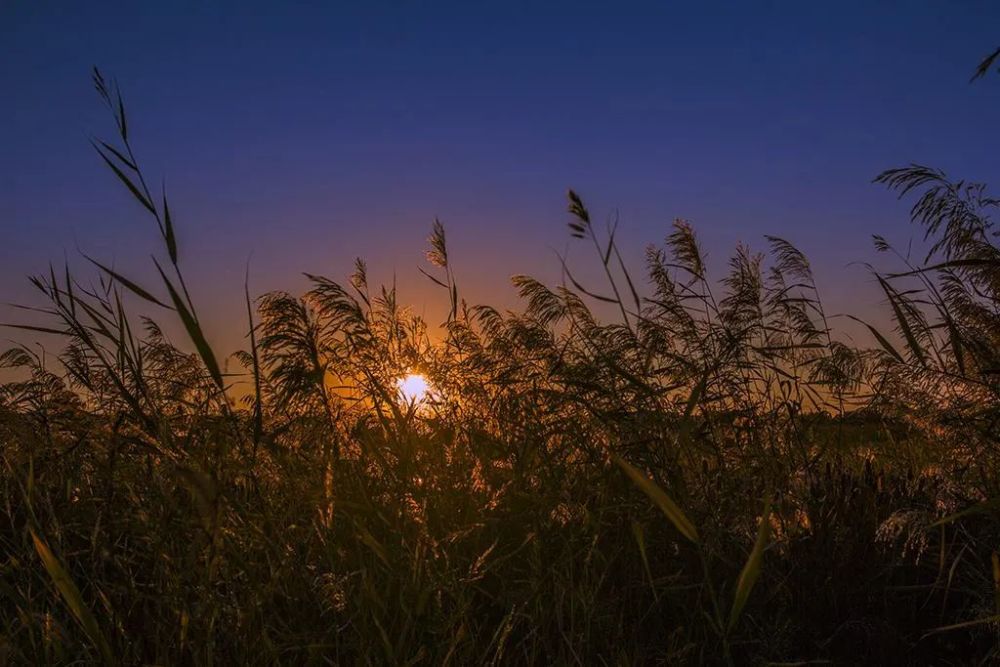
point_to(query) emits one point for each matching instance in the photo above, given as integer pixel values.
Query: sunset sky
(301, 135)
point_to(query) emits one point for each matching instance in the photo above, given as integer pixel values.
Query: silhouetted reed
(712, 476)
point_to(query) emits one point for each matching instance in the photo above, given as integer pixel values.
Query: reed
(711, 475)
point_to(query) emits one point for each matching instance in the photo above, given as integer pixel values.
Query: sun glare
(413, 387)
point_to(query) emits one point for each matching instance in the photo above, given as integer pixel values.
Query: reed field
(662, 467)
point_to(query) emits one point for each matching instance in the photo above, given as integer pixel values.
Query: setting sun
(413, 387)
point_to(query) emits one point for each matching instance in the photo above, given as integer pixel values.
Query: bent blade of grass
(74, 600)
(132, 187)
(128, 284)
(751, 570)
(882, 340)
(661, 499)
(194, 330)
(118, 154)
(897, 301)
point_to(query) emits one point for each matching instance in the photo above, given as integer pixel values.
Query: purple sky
(305, 134)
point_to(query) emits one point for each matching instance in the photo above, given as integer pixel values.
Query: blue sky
(304, 134)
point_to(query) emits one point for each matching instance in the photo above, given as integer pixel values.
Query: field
(703, 473)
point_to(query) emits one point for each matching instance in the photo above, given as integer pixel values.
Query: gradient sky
(305, 134)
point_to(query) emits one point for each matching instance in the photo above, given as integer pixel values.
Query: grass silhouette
(710, 477)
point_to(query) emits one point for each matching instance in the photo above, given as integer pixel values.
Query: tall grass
(713, 476)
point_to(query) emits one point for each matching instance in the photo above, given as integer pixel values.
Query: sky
(298, 135)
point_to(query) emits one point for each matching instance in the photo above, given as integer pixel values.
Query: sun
(413, 387)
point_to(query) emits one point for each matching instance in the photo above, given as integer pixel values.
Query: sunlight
(413, 387)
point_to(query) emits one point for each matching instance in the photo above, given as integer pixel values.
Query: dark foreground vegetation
(710, 477)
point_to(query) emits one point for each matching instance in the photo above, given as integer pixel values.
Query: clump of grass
(711, 475)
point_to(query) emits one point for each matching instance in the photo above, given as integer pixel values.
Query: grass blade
(128, 284)
(194, 330)
(258, 414)
(73, 599)
(640, 539)
(882, 340)
(967, 624)
(28, 327)
(903, 321)
(168, 232)
(660, 499)
(751, 570)
(126, 180)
